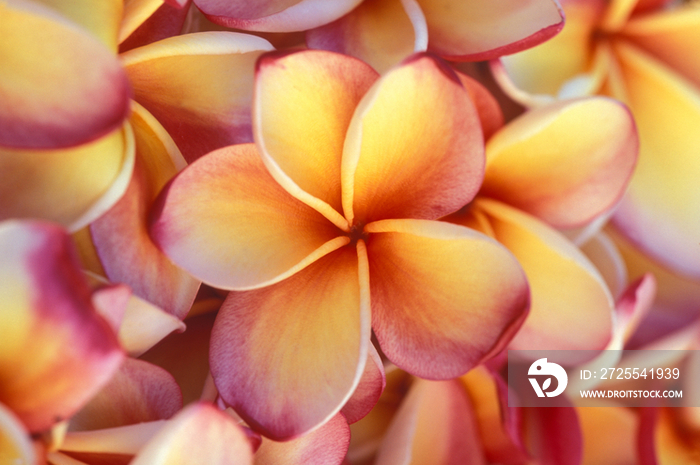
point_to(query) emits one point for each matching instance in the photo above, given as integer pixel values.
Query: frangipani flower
(327, 227)
(644, 53)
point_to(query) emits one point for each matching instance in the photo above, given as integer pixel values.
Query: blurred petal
(102, 19)
(121, 235)
(122, 440)
(323, 313)
(444, 297)
(167, 21)
(15, 444)
(565, 163)
(555, 435)
(368, 390)
(434, 426)
(474, 30)
(198, 434)
(571, 305)
(378, 32)
(60, 86)
(69, 186)
(673, 36)
(201, 110)
(658, 211)
(414, 148)
(275, 15)
(605, 256)
(326, 445)
(56, 350)
(138, 392)
(635, 304)
(302, 108)
(609, 435)
(226, 221)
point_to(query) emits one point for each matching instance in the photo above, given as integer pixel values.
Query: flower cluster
(309, 231)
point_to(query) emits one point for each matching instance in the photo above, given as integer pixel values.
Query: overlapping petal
(566, 162)
(368, 390)
(15, 445)
(225, 220)
(201, 110)
(275, 15)
(658, 211)
(322, 312)
(571, 305)
(303, 105)
(56, 350)
(474, 30)
(120, 236)
(60, 86)
(167, 21)
(414, 147)
(444, 297)
(69, 186)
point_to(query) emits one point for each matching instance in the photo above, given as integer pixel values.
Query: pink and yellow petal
(414, 148)
(444, 297)
(56, 351)
(369, 389)
(120, 236)
(69, 186)
(605, 256)
(487, 107)
(15, 443)
(329, 328)
(275, 15)
(225, 220)
(60, 86)
(136, 12)
(302, 108)
(378, 32)
(658, 211)
(200, 433)
(565, 163)
(326, 445)
(475, 31)
(167, 21)
(198, 86)
(434, 426)
(571, 306)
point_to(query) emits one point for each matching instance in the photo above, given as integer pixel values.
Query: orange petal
(326, 445)
(60, 86)
(56, 350)
(609, 434)
(368, 390)
(225, 220)
(414, 148)
(302, 108)
(657, 213)
(444, 297)
(571, 306)
(202, 111)
(473, 30)
(490, 113)
(69, 186)
(566, 162)
(301, 378)
(198, 434)
(121, 235)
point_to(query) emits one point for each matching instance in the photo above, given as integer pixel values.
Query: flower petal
(298, 380)
(15, 444)
(369, 389)
(490, 113)
(69, 186)
(571, 306)
(609, 434)
(434, 426)
(565, 163)
(473, 30)
(657, 213)
(138, 392)
(101, 19)
(136, 12)
(167, 21)
(60, 86)
(198, 434)
(444, 297)
(326, 445)
(275, 15)
(121, 235)
(226, 221)
(56, 350)
(303, 105)
(414, 148)
(202, 111)
(378, 32)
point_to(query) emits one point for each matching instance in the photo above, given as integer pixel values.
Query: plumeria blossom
(643, 53)
(326, 228)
